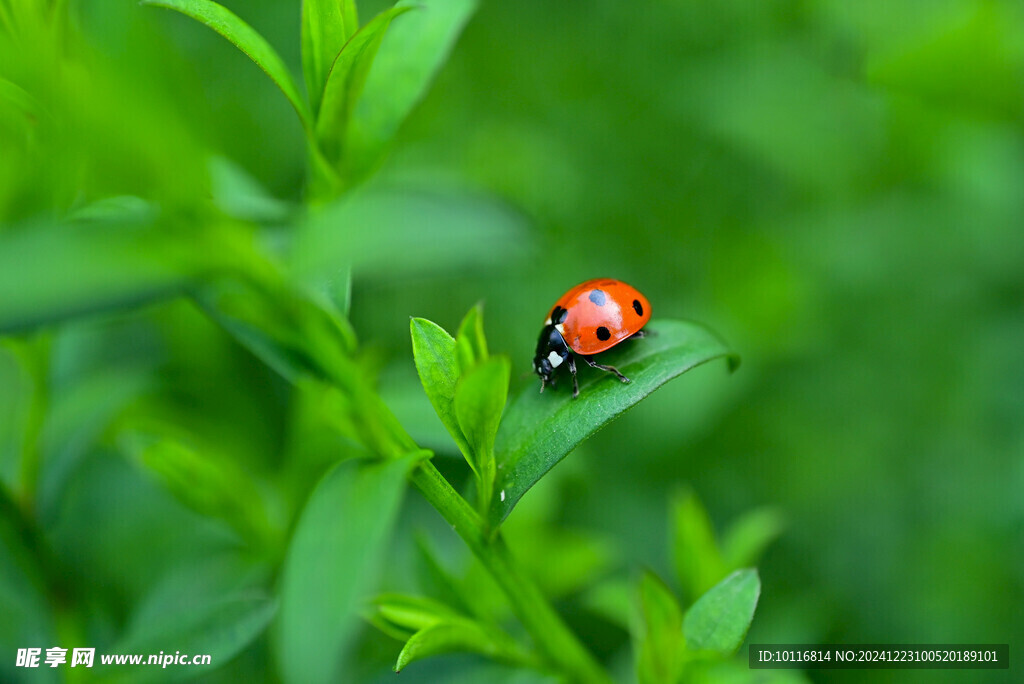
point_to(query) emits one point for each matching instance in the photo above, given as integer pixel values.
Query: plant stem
(557, 642)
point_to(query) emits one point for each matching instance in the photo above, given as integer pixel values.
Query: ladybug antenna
(542, 381)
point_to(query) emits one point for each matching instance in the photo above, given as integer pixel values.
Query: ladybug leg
(638, 334)
(575, 384)
(610, 369)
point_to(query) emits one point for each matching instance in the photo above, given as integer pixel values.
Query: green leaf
(719, 620)
(27, 610)
(613, 599)
(430, 627)
(334, 559)
(345, 82)
(21, 404)
(659, 657)
(563, 561)
(439, 231)
(698, 561)
(326, 25)
(434, 579)
(51, 272)
(14, 96)
(299, 337)
(470, 343)
(446, 637)
(248, 40)
(433, 350)
(214, 606)
(76, 418)
(289, 332)
(406, 63)
(239, 195)
(210, 486)
(748, 537)
(539, 430)
(479, 401)
(411, 613)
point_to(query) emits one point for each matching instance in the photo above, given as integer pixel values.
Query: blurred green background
(836, 187)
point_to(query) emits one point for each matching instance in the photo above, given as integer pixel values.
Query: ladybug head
(552, 352)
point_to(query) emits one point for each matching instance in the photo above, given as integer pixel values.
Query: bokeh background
(836, 187)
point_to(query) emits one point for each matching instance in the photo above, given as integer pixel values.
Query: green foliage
(719, 620)
(431, 628)
(470, 343)
(479, 402)
(403, 69)
(185, 264)
(209, 487)
(248, 40)
(333, 560)
(344, 143)
(539, 431)
(671, 646)
(226, 609)
(661, 633)
(698, 562)
(748, 537)
(434, 352)
(60, 270)
(467, 389)
(326, 25)
(345, 81)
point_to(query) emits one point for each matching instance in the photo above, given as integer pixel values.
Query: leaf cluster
(290, 548)
(349, 112)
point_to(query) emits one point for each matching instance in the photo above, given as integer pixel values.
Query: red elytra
(590, 318)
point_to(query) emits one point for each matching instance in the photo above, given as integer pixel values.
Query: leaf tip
(733, 360)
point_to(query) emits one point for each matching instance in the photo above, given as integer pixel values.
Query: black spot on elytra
(638, 307)
(598, 297)
(558, 315)
(603, 333)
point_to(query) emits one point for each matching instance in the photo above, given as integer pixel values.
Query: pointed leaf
(698, 562)
(470, 343)
(333, 561)
(539, 430)
(719, 620)
(661, 633)
(461, 635)
(479, 401)
(748, 537)
(412, 613)
(248, 40)
(433, 349)
(325, 28)
(409, 57)
(345, 81)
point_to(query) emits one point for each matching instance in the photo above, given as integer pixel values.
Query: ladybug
(588, 319)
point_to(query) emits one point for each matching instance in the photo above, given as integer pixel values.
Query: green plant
(306, 574)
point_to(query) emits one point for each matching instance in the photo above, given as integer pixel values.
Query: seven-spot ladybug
(588, 319)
